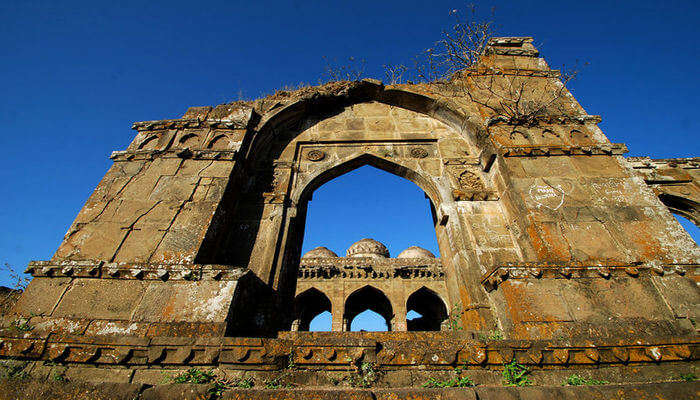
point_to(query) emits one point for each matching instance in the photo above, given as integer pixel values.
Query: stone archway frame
(441, 109)
(386, 310)
(285, 210)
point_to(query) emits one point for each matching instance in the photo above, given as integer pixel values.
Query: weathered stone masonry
(188, 251)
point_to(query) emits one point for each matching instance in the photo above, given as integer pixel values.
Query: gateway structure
(188, 251)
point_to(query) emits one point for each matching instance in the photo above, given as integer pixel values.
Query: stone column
(338, 323)
(398, 322)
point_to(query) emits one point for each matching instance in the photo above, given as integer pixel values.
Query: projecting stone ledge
(29, 389)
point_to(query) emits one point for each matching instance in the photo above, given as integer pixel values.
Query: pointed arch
(440, 109)
(682, 206)
(190, 137)
(149, 143)
(430, 306)
(368, 298)
(342, 167)
(308, 305)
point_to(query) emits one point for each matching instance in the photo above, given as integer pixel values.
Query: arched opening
(370, 203)
(683, 207)
(309, 305)
(429, 311)
(322, 322)
(367, 298)
(368, 321)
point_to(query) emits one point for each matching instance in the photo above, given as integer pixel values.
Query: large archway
(368, 298)
(301, 150)
(430, 307)
(307, 306)
(368, 202)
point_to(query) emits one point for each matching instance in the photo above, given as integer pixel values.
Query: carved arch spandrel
(440, 109)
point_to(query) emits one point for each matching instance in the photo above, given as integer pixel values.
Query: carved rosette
(315, 155)
(419, 152)
(469, 181)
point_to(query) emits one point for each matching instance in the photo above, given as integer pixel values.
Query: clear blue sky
(77, 74)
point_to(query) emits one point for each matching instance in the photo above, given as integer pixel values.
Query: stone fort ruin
(188, 252)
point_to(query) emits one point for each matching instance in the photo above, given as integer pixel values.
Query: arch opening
(307, 307)
(370, 203)
(430, 309)
(365, 299)
(683, 207)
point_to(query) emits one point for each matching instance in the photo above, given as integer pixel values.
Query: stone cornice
(369, 262)
(549, 119)
(651, 163)
(504, 51)
(134, 271)
(191, 123)
(529, 271)
(560, 150)
(195, 154)
(396, 349)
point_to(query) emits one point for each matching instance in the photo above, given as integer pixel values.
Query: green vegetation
(58, 377)
(194, 375)
(514, 374)
(494, 334)
(219, 385)
(463, 381)
(367, 375)
(20, 325)
(576, 380)
(454, 320)
(277, 383)
(689, 377)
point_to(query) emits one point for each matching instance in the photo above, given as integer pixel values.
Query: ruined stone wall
(544, 229)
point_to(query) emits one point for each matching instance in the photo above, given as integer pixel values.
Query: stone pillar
(295, 325)
(338, 323)
(398, 322)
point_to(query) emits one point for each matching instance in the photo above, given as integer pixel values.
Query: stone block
(200, 301)
(139, 244)
(99, 375)
(92, 241)
(174, 188)
(535, 301)
(101, 299)
(591, 241)
(181, 391)
(41, 296)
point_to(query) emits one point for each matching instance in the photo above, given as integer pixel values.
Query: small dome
(415, 252)
(319, 252)
(367, 248)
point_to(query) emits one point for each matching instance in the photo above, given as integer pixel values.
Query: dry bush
(454, 66)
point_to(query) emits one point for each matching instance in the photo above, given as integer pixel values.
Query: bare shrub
(352, 70)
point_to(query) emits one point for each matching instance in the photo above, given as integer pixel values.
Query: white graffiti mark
(551, 197)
